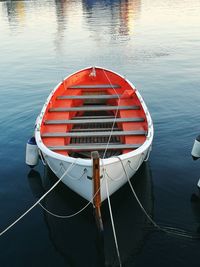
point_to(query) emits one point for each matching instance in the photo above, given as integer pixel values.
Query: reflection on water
(16, 12)
(120, 19)
(78, 234)
(121, 15)
(61, 18)
(129, 12)
(195, 204)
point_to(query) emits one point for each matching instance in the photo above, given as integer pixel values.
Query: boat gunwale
(87, 162)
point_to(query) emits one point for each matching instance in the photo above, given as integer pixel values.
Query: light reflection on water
(155, 44)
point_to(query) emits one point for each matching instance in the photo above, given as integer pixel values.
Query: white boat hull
(79, 177)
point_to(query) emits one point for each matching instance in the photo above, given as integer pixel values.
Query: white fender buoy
(198, 184)
(32, 154)
(196, 148)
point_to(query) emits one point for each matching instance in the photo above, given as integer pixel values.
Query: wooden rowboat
(94, 109)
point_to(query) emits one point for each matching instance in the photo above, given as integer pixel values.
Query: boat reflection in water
(76, 238)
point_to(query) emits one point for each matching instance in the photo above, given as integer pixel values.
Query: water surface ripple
(156, 45)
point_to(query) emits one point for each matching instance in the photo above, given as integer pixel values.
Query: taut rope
(71, 166)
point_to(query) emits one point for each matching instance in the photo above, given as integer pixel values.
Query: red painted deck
(91, 97)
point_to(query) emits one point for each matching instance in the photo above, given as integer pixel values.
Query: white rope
(116, 113)
(65, 216)
(57, 172)
(107, 191)
(147, 215)
(165, 229)
(129, 164)
(113, 225)
(114, 180)
(41, 156)
(37, 202)
(79, 178)
(71, 215)
(138, 166)
(148, 153)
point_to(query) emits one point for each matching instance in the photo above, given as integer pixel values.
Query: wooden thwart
(93, 117)
(94, 134)
(86, 121)
(94, 108)
(93, 129)
(95, 86)
(89, 97)
(92, 146)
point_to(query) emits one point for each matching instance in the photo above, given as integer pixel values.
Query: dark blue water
(156, 45)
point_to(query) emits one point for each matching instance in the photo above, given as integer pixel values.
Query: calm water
(156, 45)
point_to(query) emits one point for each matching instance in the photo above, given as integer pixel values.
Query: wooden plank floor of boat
(93, 123)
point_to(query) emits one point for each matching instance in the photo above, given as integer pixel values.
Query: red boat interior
(91, 108)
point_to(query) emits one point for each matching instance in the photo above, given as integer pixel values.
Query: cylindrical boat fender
(32, 154)
(196, 148)
(198, 184)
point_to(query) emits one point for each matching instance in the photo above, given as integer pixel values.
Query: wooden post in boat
(97, 206)
(97, 191)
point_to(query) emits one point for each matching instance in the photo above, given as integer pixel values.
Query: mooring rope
(71, 166)
(107, 191)
(165, 229)
(115, 118)
(41, 157)
(76, 179)
(73, 214)
(112, 222)
(113, 179)
(140, 160)
(135, 195)
(65, 216)
(148, 154)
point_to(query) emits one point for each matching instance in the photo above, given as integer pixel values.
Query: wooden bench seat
(86, 121)
(93, 108)
(89, 147)
(95, 86)
(94, 134)
(87, 97)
